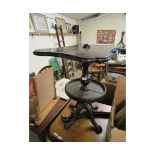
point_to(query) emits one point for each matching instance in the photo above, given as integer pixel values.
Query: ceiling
(79, 16)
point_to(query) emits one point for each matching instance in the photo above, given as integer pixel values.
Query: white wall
(37, 42)
(108, 22)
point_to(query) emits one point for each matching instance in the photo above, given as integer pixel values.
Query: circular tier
(95, 91)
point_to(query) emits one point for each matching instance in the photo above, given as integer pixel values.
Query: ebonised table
(83, 90)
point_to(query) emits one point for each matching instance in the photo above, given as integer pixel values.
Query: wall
(108, 22)
(37, 42)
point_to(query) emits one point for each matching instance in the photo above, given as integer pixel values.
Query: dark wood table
(94, 54)
(82, 130)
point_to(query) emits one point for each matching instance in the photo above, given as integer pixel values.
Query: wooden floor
(82, 130)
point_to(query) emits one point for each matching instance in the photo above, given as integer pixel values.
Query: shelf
(41, 33)
(52, 34)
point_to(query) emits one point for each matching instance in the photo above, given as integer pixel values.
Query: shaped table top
(96, 53)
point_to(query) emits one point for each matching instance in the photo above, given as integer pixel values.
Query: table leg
(98, 128)
(68, 121)
(89, 113)
(75, 106)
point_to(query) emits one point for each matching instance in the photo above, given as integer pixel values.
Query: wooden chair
(97, 71)
(45, 99)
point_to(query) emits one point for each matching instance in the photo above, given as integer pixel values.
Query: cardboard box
(118, 135)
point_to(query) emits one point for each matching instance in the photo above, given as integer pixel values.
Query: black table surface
(96, 53)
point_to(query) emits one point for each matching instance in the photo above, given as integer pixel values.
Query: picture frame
(51, 24)
(31, 26)
(106, 36)
(69, 27)
(61, 22)
(39, 22)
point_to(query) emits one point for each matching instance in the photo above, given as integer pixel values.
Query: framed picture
(61, 22)
(39, 22)
(51, 24)
(106, 36)
(31, 27)
(68, 27)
